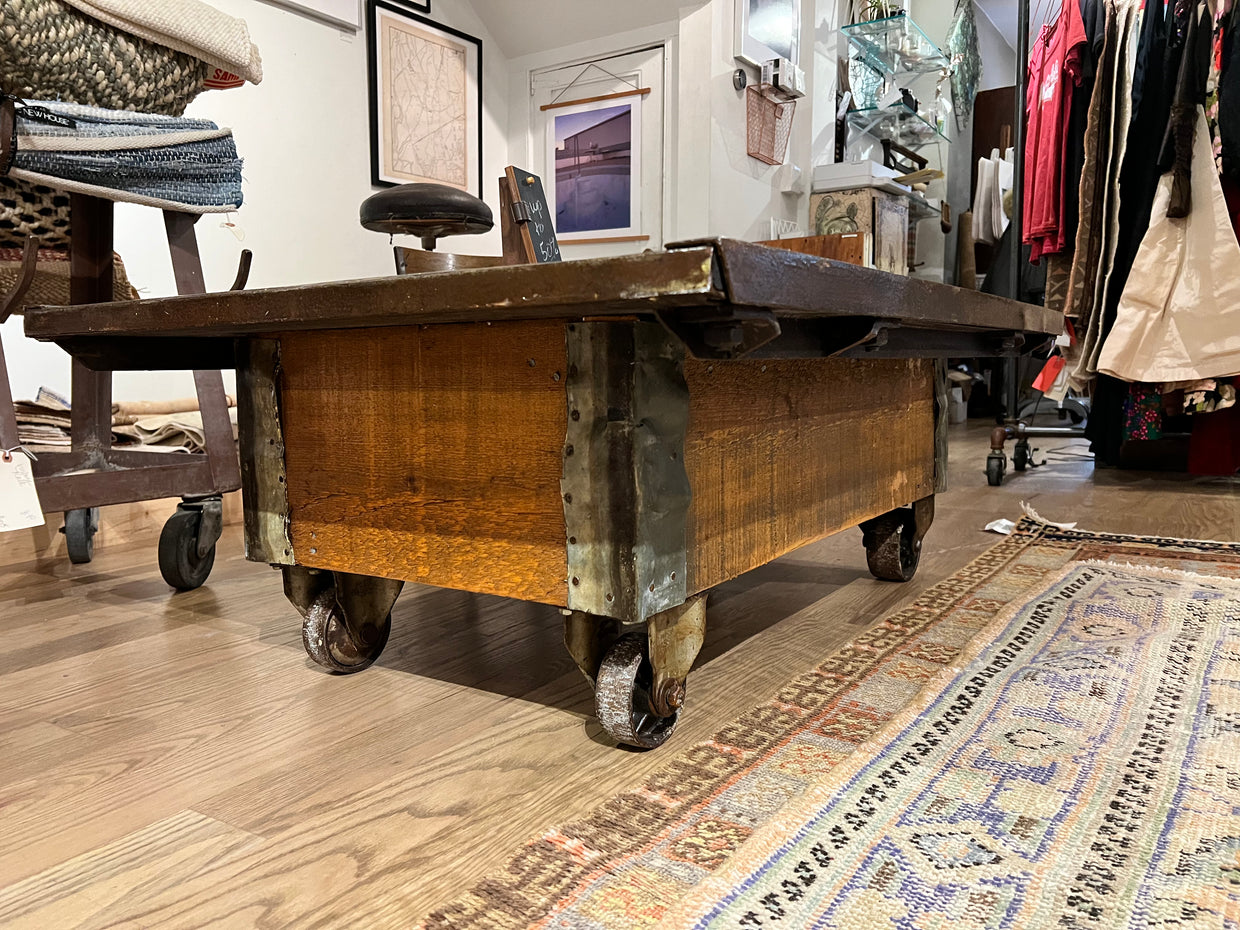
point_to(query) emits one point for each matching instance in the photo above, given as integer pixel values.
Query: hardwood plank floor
(174, 760)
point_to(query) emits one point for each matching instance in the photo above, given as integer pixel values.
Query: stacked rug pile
(153, 426)
(92, 94)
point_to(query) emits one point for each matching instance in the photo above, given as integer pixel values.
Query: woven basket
(54, 52)
(51, 278)
(33, 210)
(51, 51)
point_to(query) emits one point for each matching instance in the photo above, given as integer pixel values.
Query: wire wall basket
(768, 124)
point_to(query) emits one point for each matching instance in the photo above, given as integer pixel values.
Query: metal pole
(1018, 192)
(1018, 143)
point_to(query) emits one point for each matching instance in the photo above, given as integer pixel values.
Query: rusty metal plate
(261, 437)
(626, 493)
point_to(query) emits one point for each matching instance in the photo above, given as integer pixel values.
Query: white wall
(744, 192)
(714, 188)
(998, 57)
(304, 135)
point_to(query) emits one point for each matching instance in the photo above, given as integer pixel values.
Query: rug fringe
(1178, 574)
(1038, 518)
(1033, 515)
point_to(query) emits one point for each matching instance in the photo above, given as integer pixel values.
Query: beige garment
(1179, 315)
(188, 26)
(1092, 189)
(1090, 331)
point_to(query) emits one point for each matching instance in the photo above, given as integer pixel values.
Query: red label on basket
(222, 80)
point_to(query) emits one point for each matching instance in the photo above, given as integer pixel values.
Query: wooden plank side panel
(430, 454)
(783, 452)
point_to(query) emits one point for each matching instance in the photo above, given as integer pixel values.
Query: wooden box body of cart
(438, 453)
(613, 436)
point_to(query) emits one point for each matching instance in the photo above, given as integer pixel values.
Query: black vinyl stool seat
(429, 211)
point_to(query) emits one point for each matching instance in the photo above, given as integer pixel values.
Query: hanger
(557, 102)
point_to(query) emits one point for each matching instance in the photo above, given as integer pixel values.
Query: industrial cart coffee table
(614, 437)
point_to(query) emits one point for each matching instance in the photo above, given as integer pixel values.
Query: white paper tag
(19, 502)
(1059, 389)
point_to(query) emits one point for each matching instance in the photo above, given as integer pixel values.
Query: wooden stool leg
(90, 270)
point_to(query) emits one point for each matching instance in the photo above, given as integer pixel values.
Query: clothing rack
(1013, 427)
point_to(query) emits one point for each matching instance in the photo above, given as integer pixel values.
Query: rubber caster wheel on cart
(187, 543)
(79, 529)
(623, 698)
(996, 465)
(1021, 455)
(893, 541)
(328, 641)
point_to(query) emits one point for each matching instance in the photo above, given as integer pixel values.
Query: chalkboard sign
(533, 215)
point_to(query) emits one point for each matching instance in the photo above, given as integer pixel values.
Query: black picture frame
(401, 9)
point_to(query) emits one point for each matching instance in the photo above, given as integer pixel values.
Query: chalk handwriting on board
(540, 227)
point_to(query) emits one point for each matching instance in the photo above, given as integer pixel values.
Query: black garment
(1229, 97)
(1192, 33)
(1157, 65)
(999, 278)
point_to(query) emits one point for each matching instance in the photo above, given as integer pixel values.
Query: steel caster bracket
(639, 682)
(210, 521)
(893, 541)
(346, 617)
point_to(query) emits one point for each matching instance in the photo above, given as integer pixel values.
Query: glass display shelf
(895, 45)
(898, 122)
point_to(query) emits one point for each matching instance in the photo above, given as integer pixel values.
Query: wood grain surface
(174, 760)
(433, 454)
(430, 454)
(783, 452)
(842, 247)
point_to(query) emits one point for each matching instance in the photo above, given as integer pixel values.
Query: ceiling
(1005, 14)
(523, 27)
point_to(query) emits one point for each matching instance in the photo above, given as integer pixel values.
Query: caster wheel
(1020, 456)
(329, 643)
(891, 552)
(622, 696)
(179, 562)
(995, 465)
(79, 530)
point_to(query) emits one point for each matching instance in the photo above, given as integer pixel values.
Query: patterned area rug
(786, 818)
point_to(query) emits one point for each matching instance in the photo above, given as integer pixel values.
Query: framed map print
(425, 100)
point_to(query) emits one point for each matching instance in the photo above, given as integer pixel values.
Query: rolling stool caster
(430, 212)
(79, 529)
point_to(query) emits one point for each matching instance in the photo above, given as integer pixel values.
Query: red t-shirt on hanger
(1054, 70)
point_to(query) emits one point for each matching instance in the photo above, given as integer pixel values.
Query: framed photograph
(767, 29)
(595, 188)
(344, 13)
(425, 100)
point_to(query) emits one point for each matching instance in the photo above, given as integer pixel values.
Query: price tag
(19, 502)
